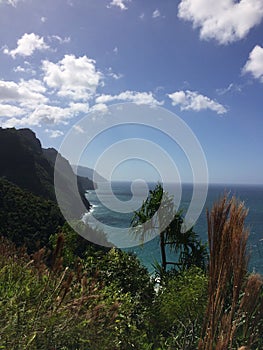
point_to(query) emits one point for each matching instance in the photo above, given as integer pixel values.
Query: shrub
(180, 307)
(60, 308)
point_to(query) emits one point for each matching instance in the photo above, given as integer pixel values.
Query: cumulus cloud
(140, 98)
(9, 111)
(74, 77)
(254, 65)
(54, 133)
(25, 91)
(156, 14)
(99, 108)
(225, 21)
(27, 45)
(48, 115)
(119, 3)
(54, 115)
(35, 102)
(77, 108)
(192, 100)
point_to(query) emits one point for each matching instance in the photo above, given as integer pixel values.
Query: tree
(155, 212)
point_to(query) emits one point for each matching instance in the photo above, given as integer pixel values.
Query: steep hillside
(26, 218)
(87, 172)
(65, 176)
(23, 163)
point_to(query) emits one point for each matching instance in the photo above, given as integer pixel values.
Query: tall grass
(56, 308)
(234, 311)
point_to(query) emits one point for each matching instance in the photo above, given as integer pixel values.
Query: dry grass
(235, 300)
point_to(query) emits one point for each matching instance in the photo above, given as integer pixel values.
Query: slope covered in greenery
(26, 218)
(22, 162)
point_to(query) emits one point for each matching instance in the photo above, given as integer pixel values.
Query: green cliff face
(28, 208)
(22, 162)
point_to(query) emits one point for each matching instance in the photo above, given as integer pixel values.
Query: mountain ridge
(84, 171)
(26, 164)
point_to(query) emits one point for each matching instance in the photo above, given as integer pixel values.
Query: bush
(61, 308)
(179, 309)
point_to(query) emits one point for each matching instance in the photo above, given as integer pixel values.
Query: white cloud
(43, 19)
(254, 65)
(116, 50)
(9, 111)
(142, 15)
(65, 40)
(77, 108)
(230, 88)
(9, 2)
(78, 129)
(30, 91)
(20, 69)
(192, 100)
(49, 115)
(114, 75)
(54, 133)
(54, 115)
(26, 45)
(156, 14)
(10, 123)
(139, 98)
(225, 21)
(119, 3)
(73, 77)
(100, 108)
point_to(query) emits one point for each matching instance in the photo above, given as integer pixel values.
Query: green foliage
(183, 297)
(59, 308)
(26, 218)
(157, 212)
(179, 309)
(77, 246)
(26, 164)
(126, 272)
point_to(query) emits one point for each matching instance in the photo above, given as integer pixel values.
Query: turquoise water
(252, 195)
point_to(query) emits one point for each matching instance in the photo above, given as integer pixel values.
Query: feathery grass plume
(232, 296)
(38, 259)
(57, 259)
(225, 232)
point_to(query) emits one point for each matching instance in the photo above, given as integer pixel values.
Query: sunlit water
(149, 252)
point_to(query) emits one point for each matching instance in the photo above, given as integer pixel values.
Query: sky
(62, 60)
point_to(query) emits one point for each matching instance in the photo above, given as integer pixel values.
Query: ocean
(149, 252)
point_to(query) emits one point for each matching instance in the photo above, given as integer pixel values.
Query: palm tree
(158, 210)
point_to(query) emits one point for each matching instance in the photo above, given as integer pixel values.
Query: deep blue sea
(149, 252)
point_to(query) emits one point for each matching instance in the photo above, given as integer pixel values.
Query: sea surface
(149, 252)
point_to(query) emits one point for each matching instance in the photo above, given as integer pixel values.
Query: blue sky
(200, 59)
